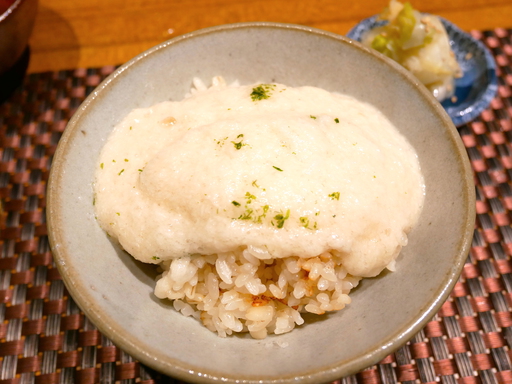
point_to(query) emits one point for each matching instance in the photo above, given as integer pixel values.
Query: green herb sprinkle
(335, 196)
(262, 91)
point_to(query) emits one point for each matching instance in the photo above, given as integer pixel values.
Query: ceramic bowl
(115, 291)
(477, 87)
(16, 25)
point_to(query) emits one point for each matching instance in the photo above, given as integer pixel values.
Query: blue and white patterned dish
(478, 85)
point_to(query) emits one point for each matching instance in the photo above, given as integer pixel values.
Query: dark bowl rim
(12, 8)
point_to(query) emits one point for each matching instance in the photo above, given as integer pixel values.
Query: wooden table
(92, 33)
(45, 339)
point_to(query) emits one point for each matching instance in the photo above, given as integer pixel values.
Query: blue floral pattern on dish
(477, 87)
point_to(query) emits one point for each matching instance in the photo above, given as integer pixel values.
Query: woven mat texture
(45, 338)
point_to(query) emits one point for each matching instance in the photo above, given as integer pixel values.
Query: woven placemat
(45, 338)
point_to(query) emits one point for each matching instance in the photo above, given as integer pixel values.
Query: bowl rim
(12, 8)
(180, 369)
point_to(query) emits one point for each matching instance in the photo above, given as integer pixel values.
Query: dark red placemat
(45, 338)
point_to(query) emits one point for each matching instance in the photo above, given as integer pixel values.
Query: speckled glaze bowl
(115, 291)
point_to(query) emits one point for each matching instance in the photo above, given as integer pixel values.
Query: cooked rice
(243, 291)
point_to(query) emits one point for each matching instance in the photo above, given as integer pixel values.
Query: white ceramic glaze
(115, 291)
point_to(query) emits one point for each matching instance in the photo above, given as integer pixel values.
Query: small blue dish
(477, 87)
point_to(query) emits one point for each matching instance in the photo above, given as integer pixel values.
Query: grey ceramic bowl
(115, 292)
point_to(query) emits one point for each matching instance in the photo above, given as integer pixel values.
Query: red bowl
(16, 23)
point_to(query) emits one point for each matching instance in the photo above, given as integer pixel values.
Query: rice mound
(241, 292)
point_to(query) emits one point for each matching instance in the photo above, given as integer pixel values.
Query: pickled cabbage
(418, 42)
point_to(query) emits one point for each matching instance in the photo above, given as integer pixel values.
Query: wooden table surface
(90, 33)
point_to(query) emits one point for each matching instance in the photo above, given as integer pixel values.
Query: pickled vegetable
(418, 42)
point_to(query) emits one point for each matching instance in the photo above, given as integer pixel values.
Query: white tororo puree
(299, 173)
